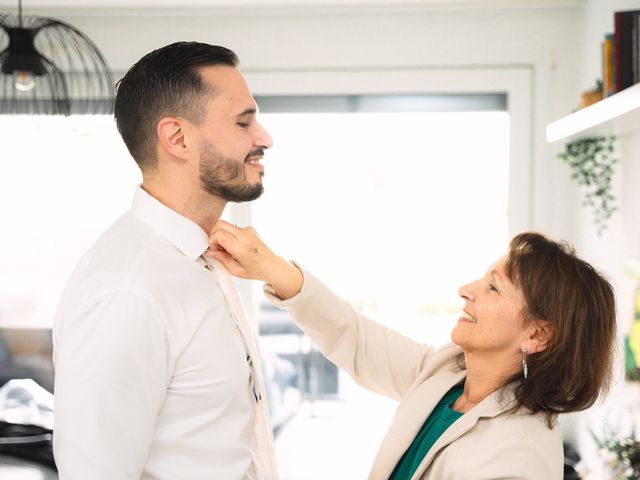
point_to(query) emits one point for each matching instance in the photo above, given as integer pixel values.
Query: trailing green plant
(591, 160)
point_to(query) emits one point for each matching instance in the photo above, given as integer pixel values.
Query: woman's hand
(245, 255)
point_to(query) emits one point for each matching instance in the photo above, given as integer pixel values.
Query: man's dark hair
(163, 83)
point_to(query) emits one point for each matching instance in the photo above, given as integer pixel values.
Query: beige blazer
(487, 442)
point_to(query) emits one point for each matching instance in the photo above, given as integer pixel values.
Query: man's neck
(199, 207)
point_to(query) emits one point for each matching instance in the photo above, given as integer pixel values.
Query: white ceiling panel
(30, 5)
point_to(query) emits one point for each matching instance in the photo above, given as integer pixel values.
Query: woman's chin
(455, 337)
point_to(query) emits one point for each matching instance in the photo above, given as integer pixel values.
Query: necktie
(264, 433)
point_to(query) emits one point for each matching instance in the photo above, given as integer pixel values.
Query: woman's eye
(492, 287)
(243, 125)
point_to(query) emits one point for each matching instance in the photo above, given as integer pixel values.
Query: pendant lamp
(49, 67)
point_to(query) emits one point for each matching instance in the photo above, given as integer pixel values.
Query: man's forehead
(230, 88)
(224, 78)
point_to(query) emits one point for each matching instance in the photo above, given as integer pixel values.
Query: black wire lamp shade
(49, 67)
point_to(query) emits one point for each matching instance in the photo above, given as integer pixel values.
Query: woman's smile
(467, 318)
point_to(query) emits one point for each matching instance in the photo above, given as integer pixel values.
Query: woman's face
(493, 316)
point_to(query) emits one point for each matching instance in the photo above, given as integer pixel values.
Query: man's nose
(262, 138)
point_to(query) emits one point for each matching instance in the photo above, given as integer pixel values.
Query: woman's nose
(467, 292)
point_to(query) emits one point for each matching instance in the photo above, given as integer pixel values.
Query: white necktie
(264, 435)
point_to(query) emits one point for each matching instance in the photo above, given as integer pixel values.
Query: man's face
(232, 142)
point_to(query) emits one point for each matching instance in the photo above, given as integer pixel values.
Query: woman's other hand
(245, 255)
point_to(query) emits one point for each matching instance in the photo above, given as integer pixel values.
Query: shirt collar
(183, 233)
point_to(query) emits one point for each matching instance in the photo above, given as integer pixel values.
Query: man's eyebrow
(248, 111)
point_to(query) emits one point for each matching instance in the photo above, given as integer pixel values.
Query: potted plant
(621, 455)
(592, 160)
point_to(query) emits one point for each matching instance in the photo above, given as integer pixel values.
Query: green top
(441, 418)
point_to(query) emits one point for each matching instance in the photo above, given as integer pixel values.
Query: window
(394, 210)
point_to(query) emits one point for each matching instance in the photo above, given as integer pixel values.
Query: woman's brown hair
(578, 303)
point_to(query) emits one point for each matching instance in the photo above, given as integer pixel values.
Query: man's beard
(224, 177)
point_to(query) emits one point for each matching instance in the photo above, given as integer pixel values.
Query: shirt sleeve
(378, 358)
(111, 362)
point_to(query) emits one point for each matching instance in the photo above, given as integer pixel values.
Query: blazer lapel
(409, 418)
(491, 406)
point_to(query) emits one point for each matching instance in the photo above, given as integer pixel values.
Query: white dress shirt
(151, 353)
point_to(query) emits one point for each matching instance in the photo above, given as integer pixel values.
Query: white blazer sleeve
(377, 357)
(111, 376)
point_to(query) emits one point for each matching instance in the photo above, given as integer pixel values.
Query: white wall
(621, 240)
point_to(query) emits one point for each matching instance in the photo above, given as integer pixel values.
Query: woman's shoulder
(513, 445)
(525, 424)
(523, 431)
(499, 423)
(521, 422)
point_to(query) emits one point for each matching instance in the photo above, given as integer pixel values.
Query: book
(626, 43)
(635, 46)
(608, 66)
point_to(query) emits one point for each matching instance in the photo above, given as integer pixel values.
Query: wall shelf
(620, 113)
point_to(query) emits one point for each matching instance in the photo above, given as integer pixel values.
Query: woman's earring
(525, 368)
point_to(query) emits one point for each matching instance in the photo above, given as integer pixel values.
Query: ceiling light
(50, 67)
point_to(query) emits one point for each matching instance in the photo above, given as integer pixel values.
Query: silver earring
(525, 368)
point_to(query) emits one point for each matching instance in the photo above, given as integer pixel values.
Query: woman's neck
(484, 377)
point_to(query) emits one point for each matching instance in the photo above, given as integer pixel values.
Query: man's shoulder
(124, 257)
(132, 264)
(115, 249)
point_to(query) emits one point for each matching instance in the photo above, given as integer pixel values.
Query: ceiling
(30, 5)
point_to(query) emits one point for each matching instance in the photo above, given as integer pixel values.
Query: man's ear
(540, 335)
(171, 133)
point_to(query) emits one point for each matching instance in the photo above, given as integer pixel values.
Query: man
(157, 375)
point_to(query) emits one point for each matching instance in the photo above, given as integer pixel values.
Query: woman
(535, 339)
